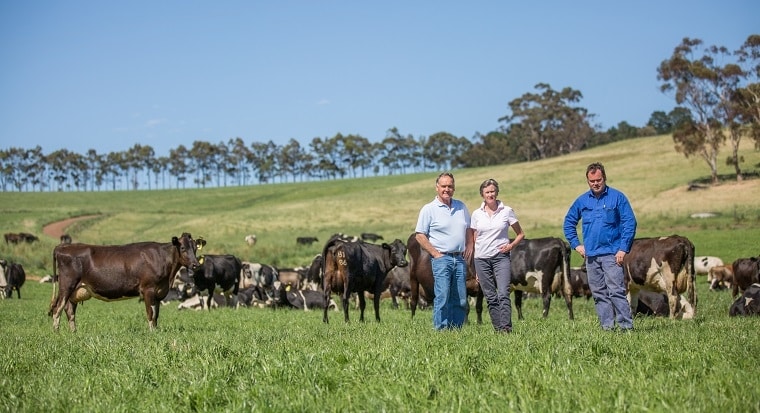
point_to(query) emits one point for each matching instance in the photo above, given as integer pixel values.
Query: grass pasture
(274, 361)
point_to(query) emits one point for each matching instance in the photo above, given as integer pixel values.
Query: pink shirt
(491, 232)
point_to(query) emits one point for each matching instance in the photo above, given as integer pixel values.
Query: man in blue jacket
(609, 227)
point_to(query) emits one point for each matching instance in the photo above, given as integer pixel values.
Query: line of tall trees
(540, 125)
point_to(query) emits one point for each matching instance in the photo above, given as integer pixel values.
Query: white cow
(702, 265)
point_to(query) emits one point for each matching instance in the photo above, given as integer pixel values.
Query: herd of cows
(660, 274)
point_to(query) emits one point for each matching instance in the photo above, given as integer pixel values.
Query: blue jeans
(607, 283)
(494, 277)
(450, 303)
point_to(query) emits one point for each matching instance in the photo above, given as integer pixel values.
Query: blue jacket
(608, 223)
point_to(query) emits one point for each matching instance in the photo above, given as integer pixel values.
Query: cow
(197, 302)
(306, 240)
(579, 283)
(542, 266)
(65, 239)
(252, 297)
(250, 239)
(652, 303)
(702, 265)
(748, 304)
(29, 238)
(662, 264)
(368, 236)
(287, 296)
(182, 287)
(259, 276)
(356, 267)
(314, 273)
(397, 282)
(295, 277)
(421, 275)
(721, 277)
(117, 272)
(746, 273)
(11, 238)
(3, 280)
(15, 277)
(219, 273)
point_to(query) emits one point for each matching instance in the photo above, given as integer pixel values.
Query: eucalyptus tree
(440, 149)
(14, 165)
(493, 148)
(238, 158)
(34, 167)
(159, 167)
(114, 163)
(202, 157)
(292, 158)
(694, 73)
(746, 100)
(547, 123)
(179, 166)
(60, 167)
(357, 154)
(327, 162)
(137, 159)
(93, 161)
(264, 163)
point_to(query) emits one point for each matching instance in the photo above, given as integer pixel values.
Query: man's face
(445, 189)
(596, 182)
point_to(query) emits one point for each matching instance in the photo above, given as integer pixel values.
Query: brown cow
(721, 276)
(356, 267)
(421, 274)
(664, 264)
(117, 272)
(746, 273)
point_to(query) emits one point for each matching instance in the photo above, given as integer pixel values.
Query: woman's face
(490, 193)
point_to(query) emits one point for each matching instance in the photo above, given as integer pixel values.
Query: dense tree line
(541, 124)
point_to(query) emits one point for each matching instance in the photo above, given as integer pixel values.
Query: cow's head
(187, 248)
(398, 253)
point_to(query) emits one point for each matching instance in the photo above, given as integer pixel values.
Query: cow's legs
(344, 301)
(327, 294)
(376, 302)
(71, 312)
(569, 303)
(547, 300)
(362, 305)
(518, 303)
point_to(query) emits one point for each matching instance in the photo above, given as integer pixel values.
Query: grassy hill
(648, 170)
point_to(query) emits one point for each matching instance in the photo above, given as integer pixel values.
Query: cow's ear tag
(287, 289)
(200, 243)
(201, 259)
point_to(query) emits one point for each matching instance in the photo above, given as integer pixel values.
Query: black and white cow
(259, 276)
(748, 304)
(542, 266)
(666, 265)
(746, 273)
(302, 299)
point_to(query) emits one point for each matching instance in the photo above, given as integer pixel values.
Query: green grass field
(265, 360)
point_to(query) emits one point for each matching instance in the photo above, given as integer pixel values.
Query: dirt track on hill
(56, 229)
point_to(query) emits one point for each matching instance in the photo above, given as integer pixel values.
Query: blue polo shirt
(608, 223)
(445, 227)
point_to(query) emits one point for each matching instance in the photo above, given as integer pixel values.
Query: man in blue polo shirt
(443, 230)
(609, 227)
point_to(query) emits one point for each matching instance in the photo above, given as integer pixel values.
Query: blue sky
(106, 75)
